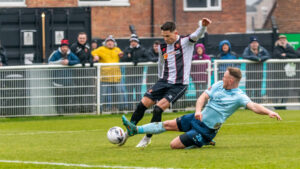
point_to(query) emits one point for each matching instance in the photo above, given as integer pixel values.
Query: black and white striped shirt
(175, 59)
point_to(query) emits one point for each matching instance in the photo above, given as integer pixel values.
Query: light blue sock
(151, 128)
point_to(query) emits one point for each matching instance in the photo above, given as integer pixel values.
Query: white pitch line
(76, 165)
(48, 132)
(249, 123)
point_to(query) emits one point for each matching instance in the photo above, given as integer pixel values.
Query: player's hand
(198, 115)
(275, 115)
(206, 22)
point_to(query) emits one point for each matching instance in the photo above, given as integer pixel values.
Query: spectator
(225, 53)
(135, 53)
(282, 86)
(82, 49)
(199, 71)
(110, 75)
(63, 77)
(254, 74)
(3, 57)
(152, 70)
(153, 51)
(94, 45)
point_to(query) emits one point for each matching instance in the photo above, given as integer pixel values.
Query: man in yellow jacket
(110, 75)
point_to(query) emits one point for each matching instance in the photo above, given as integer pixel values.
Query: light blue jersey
(222, 104)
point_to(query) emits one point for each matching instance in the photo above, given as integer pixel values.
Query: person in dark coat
(281, 87)
(254, 75)
(135, 54)
(82, 49)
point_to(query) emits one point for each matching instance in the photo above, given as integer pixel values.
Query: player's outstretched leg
(131, 128)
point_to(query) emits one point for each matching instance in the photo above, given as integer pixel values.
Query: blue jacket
(262, 55)
(229, 55)
(56, 57)
(63, 76)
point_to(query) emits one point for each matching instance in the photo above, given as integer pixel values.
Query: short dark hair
(235, 72)
(82, 33)
(157, 42)
(168, 26)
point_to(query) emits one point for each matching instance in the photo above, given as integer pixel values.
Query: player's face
(169, 37)
(82, 39)
(227, 80)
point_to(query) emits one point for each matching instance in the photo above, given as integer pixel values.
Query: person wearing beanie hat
(135, 54)
(63, 55)
(63, 77)
(254, 74)
(110, 75)
(94, 44)
(174, 66)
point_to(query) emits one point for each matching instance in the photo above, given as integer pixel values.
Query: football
(116, 135)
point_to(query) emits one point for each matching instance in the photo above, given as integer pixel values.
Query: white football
(116, 135)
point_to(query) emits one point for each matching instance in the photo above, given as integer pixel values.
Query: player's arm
(259, 109)
(200, 104)
(200, 31)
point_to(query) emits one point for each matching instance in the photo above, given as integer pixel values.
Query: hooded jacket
(198, 71)
(222, 55)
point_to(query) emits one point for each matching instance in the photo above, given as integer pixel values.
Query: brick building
(115, 16)
(286, 14)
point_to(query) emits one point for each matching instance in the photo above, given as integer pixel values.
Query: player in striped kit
(174, 65)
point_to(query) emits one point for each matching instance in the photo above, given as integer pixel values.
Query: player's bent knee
(176, 144)
(170, 125)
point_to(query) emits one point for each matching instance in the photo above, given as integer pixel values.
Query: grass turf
(246, 140)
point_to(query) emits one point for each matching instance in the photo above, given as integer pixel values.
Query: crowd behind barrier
(41, 90)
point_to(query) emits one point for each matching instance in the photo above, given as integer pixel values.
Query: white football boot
(144, 142)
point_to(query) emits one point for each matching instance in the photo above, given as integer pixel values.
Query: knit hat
(110, 37)
(134, 37)
(253, 38)
(64, 42)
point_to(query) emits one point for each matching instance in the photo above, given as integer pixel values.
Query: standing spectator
(254, 74)
(94, 45)
(3, 57)
(281, 87)
(63, 76)
(110, 75)
(134, 75)
(82, 49)
(225, 53)
(199, 71)
(152, 70)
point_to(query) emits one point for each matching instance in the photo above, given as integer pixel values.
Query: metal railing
(275, 82)
(39, 90)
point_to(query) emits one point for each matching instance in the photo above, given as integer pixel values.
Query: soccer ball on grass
(116, 135)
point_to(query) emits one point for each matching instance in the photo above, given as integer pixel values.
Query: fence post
(209, 74)
(216, 70)
(98, 89)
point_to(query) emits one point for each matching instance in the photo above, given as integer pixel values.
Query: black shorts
(162, 89)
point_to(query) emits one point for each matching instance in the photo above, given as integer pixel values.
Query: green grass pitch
(246, 140)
